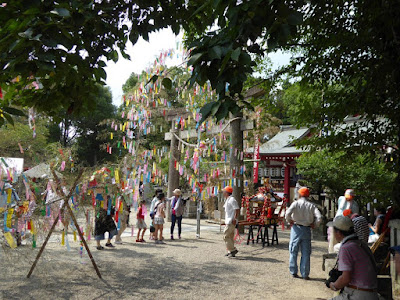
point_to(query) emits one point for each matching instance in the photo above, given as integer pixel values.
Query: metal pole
(199, 189)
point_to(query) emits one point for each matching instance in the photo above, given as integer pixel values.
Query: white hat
(342, 223)
(177, 192)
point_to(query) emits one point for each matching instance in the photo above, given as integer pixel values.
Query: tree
(34, 149)
(349, 53)
(54, 52)
(130, 83)
(85, 132)
(338, 171)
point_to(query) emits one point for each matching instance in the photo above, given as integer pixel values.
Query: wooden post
(77, 225)
(54, 224)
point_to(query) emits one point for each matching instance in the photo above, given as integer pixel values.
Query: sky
(143, 55)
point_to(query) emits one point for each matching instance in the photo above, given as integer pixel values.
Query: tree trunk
(236, 160)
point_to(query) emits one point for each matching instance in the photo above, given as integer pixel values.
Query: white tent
(40, 171)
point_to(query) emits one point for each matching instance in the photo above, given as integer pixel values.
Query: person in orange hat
(347, 202)
(344, 202)
(231, 215)
(303, 216)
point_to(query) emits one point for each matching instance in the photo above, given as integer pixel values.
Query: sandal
(142, 241)
(138, 241)
(110, 245)
(100, 248)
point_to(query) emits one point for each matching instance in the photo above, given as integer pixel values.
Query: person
(104, 223)
(347, 202)
(141, 225)
(376, 229)
(303, 216)
(177, 207)
(124, 218)
(231, 215)
(356, 262)
(344, 202)
(360, 227)
(159, 216)
(152, 205)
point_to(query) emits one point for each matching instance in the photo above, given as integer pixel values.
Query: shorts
(101, 237)
(140, 224)
(152, 228)
(158, 221)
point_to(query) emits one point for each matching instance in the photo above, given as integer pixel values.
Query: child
(153, 204)
(141, 225)
(159, 210)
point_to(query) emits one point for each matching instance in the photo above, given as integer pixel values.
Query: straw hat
(177, 192)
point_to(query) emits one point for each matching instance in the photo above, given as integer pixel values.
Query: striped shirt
(353, 258)
(361, 228)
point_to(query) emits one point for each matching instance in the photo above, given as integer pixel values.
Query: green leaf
(194, 58)
(13, 111)
(62, 12)
(206, 111)
(153, 79)
(26, 34)
(222, 112)
(224, 62)
(9, 119)
(235, 54)
(215, 52)
(295, 18)
(167, 83)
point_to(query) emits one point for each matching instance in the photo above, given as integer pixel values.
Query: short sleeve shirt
(353, 258)
(160, 210)
(230, 206)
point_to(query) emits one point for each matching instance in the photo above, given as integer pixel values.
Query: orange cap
(304, 192)
(347, 212)
(228, 189)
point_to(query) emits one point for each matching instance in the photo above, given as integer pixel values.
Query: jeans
(300, 238)
(174, 218)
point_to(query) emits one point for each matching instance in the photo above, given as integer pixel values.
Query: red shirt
(140, 213)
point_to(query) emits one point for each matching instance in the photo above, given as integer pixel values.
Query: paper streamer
(10, 240)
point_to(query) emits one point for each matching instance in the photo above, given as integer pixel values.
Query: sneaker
(110, 245)
(100, 248)
(118, 242)
(234, 252)
(295, 276)
(231, 255)
(306, 278)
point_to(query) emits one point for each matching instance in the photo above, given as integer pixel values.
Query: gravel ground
(182, 269)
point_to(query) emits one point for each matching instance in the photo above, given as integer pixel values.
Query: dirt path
(180, 269)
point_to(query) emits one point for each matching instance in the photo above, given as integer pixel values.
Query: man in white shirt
(303, 216)
(231, 214)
